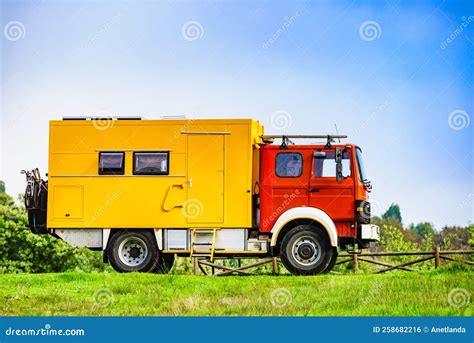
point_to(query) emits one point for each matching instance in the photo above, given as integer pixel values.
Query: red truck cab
(315, 187)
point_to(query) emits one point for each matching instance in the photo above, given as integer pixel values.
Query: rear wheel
(165, 264)
(133, 251)
(306, 250)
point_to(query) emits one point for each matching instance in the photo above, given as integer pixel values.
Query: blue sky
(396, 76)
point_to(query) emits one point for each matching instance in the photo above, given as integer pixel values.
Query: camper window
(150, 163)
(111, 163)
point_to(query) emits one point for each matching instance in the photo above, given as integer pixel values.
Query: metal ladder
(203, 232)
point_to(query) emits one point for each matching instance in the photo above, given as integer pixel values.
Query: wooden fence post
(437, 259)
(356, 263)
(196, 266)
(275, 265)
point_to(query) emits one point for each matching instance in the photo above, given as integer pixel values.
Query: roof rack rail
(271, 137)
(286, 139)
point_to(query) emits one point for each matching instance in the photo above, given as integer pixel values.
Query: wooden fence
(219, 269)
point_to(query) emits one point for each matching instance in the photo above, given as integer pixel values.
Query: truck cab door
(336, 198)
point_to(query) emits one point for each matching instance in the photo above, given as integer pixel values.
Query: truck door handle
(314, 190)
(190, 183)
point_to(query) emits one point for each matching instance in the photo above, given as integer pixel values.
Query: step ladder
(196, 241)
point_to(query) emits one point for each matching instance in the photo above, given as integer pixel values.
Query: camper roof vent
(173, 117)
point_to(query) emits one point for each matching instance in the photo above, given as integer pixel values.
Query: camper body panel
(208, 180)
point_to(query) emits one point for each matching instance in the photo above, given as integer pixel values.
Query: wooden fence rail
(436, 254)
(219, 269)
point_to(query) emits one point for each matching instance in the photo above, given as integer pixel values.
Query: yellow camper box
(131, 173)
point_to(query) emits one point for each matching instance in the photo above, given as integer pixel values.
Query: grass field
(404, 294)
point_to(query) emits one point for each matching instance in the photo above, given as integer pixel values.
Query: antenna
(337, 132)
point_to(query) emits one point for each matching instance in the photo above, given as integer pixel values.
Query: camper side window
(150, 163)
(111, 163)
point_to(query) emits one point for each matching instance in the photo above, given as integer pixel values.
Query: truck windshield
(360, 164)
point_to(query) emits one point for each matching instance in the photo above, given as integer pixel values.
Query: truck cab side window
(111, 163)
(150, 163)
(326, 167)
(289, 164)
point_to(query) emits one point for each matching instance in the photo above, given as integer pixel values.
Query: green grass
(396, 294)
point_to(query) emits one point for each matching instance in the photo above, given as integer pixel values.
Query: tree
(393, 212)
(23, 251)
(2, 186)
(423, 229)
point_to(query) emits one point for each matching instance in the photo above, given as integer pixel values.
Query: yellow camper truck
(144, 191)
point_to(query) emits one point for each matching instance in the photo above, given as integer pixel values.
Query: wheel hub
(306, 250)
(132, 251)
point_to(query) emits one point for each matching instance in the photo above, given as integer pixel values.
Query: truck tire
(332, 263)
(133, 251)
(305, 250)
(165, 264)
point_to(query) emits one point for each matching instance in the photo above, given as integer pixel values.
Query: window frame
(102, 170)
(167, 153)
(360, 164)
(289, 152)
(346, 153)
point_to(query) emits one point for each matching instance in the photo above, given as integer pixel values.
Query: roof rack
(286, 139)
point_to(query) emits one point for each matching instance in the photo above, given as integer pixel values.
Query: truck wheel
(133, 251)
(306, 251)
(332, 263)
(165, 264)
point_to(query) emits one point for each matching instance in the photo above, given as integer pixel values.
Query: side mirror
(338, 158)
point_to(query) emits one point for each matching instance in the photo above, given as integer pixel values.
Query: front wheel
(306, 250)
(133, 251)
